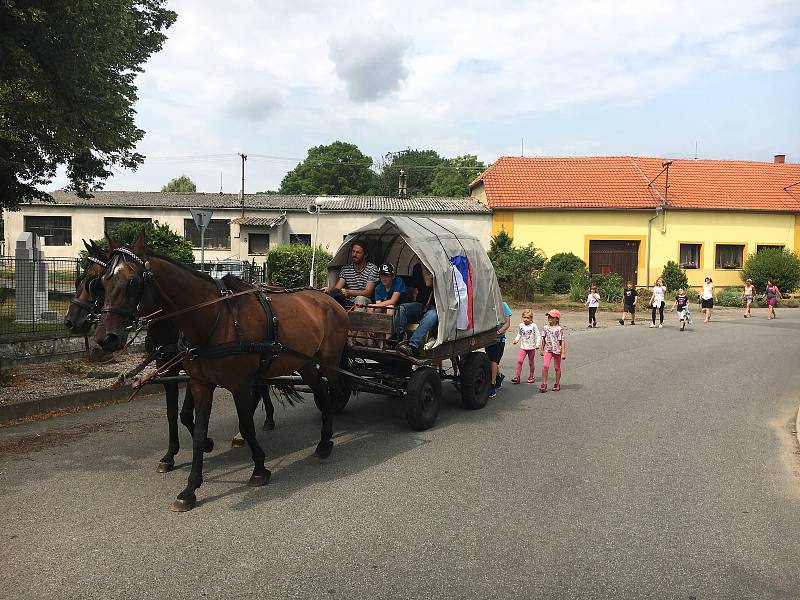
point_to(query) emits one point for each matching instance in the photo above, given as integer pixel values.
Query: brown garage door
(614, 256)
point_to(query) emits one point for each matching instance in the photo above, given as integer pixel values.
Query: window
(257, 243)
(110, 222)
(690, 256)
(218, 233)
(303, 239)
(54, 231)
(761, 247)
(729, 256)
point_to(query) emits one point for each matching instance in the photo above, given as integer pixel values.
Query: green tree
(180, 184)
(557, 273)
(67, 90)
(674, 277)
(780, 266)
(159, 237)
(289, 265)
(453, 175)
(516, 268)
(418, 166)
(338, 168)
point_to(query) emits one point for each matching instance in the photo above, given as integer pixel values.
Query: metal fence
(34, 294)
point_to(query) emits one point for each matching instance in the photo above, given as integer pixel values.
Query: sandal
(543, 388)
(515, 380)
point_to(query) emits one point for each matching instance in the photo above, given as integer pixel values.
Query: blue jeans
(428, 321)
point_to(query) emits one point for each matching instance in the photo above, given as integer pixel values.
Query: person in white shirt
(529, 338)
(707, 299)
(593, 302)
(658, 301)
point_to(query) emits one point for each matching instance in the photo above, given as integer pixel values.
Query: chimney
(402, 186)
(780, 159)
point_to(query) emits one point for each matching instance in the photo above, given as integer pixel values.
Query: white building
(234, 232)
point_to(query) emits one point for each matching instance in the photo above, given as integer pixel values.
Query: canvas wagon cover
(404, 241)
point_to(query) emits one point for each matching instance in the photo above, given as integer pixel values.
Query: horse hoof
(324, 449)
(184, 504)
(209, 445)
(259, 480)
(237, 443)
(269, 425)
(165, 467)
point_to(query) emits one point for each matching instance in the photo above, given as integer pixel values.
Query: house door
(615, 256)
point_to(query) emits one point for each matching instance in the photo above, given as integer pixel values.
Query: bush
(780, 266)
(288, 266)
(557, 273)
(729, 296)
(516, 268)
(159, 237)
(674, 277)
(579, 285)
(608, 286)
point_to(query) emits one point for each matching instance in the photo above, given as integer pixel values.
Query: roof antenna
(523, 147)
(220, 183)
(695, 150)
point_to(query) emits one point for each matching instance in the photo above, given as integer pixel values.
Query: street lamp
(312, 209)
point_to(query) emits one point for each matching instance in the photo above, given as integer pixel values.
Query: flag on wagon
(462, 286)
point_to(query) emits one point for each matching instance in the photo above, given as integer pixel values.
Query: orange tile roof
(621, 182)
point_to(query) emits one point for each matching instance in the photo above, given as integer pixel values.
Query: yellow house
(630, 215)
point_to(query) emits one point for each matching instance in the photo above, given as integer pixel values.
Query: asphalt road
(667, 467)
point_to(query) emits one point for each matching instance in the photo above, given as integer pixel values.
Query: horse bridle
(89, 283)
(135, 289)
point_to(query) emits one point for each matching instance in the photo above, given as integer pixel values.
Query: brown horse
(311, 326)
(84, 306)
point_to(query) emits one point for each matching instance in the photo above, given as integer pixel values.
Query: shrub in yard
(579, 285)
(516, 268)
(289, 266)
(557, 273)
(674, 277)
(780, 266)
(728, 296)
(608, 286)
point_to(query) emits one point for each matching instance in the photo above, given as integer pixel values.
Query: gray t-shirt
(357, 280)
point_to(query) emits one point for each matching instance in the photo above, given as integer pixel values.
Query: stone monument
(30, 279)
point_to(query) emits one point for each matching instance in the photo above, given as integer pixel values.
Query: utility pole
(244, 158)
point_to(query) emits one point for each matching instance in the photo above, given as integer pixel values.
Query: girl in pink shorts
(553, 348)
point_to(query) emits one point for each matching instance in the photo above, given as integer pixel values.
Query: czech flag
(462, 286)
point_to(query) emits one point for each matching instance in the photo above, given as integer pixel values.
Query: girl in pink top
(553, 348)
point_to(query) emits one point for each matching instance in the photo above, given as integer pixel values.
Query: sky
(713, 79)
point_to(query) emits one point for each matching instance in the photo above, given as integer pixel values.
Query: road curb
(31, 408)
(797, 426)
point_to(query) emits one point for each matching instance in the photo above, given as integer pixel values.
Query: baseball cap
(387, 269)
(556, 314)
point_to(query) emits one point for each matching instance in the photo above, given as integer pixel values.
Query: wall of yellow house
(503, 220)
(572, 231)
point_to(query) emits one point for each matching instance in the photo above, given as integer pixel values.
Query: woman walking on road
(748, 295)
(707, 299)
(772, 294)
(657, 302)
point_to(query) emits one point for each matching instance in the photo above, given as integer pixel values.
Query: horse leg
(245, 405)
(313, 379)
(269, 420)
(167, 462)
(203, 395)
(187, 417)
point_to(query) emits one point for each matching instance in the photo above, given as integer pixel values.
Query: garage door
(615, 256)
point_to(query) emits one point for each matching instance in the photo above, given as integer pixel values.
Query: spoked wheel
(476, 372)
(423, 393)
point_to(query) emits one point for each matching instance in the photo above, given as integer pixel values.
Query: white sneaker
(652, 325)
(661, 326)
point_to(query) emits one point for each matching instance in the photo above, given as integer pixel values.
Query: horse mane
(180, 265)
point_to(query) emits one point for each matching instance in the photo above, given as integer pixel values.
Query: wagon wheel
(475, 376)
(422, 398)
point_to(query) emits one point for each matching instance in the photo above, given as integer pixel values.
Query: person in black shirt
(629, 295)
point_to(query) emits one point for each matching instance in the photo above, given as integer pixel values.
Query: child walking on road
(682, 306)
(554, 348)
(593, 302)
(529, 338)
(629, 299)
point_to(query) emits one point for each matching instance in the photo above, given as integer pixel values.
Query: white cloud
(276, 78)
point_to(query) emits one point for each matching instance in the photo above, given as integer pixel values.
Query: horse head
(84, 306)
(123, 284)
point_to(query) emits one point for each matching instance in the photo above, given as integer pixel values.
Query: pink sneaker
(543, 388)
(530, 379)
(515, 380)
(557, 387)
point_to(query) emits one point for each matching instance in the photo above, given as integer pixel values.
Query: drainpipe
(659, 210)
